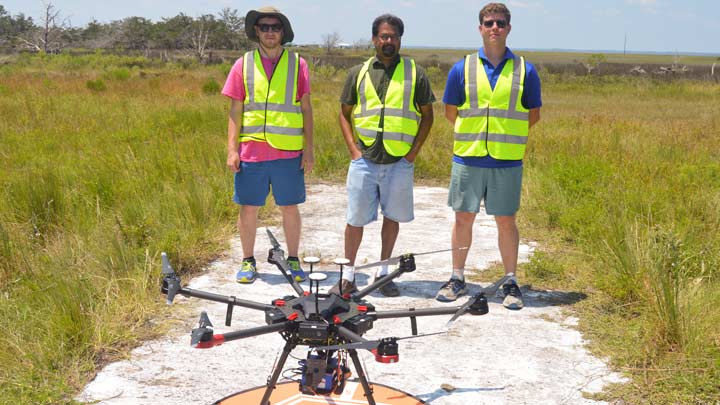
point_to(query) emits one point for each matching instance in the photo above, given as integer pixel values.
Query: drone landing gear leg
(361, 376)
(276, 373)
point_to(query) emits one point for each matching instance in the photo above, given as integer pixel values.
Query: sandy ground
(516, 357)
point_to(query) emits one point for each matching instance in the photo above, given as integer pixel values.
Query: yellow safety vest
(492, 122)
(270, 112)
(400, 117)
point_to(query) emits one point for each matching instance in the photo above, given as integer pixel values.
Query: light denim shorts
(388, 185)
(498, 187)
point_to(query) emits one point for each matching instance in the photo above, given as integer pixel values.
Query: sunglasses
(388, 37)
(490, 23)
(268, 27)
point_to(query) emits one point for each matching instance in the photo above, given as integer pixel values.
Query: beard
(389, 50)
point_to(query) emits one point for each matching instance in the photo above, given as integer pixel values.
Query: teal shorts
(498, 187)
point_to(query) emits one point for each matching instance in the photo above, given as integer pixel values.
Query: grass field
(106, 161)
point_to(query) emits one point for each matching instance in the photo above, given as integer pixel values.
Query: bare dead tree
(199, 35)
(330, 41)
(48, 37)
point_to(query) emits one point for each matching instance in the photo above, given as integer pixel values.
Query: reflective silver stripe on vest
(407, 86)
(367, 132)
(290, 86)
(388, 136)
(272, 107)
(250, 77)
(259, 129)
(389, 112)
(472, 85)
(361, 94)
(494, 113)
(504, 138)
(476, 111)
(472, 137)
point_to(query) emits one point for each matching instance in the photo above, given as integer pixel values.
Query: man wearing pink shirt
(270, 133)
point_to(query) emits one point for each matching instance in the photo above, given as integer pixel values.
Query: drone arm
(349, 335)
(219, 339)
(416, 312)
(378, 283)
(189, 292)
(277, 257)
(257, 331)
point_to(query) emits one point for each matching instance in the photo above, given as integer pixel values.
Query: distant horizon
(666, 27)
(629, 52)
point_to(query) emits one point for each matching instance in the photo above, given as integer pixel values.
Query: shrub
(211, 86)
(119, 74)
(96, 85)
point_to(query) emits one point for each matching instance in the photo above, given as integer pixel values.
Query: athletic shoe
(247, 272)
(295, 270)
(512, 295)
(390, 289)
(348, 287)
(451, 290)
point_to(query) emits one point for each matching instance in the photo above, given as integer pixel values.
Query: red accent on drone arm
(217, 340)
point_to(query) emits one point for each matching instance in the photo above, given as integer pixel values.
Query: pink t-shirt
(255, 151)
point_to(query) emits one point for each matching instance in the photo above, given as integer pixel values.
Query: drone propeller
(273, 241)
(395, 260)
(370, 344)
(204, 320)
(171, 282)
(477, 304)
(204, 331)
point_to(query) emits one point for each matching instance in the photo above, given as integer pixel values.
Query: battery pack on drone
(313, 331)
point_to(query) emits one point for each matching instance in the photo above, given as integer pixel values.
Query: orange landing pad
(288, 393)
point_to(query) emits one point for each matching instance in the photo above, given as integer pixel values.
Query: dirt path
(515, 357)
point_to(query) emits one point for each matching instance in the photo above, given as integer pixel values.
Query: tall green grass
(626, 171)
(94, 186)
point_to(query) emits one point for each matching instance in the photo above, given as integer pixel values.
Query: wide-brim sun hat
(268, 11)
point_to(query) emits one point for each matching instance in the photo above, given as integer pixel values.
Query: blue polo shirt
(455, 95)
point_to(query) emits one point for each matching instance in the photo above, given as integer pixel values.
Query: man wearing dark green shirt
(386, 115)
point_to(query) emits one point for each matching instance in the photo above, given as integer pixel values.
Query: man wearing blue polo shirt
(492, 98)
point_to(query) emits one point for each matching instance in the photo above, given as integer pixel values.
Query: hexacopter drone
(330, 325)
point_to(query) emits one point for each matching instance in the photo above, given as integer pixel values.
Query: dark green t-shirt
(380, 77)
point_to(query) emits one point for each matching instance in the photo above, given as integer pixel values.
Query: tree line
(52, 33)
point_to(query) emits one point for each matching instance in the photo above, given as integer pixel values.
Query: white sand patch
(513, 357)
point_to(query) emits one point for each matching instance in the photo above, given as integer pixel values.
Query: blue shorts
(253, 182)
(499, 187)
(389, 185)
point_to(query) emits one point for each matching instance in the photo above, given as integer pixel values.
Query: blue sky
(650, 25)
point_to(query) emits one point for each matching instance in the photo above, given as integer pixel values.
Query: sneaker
(390, 289)
(512, 295)
(247, 272)
(451, 290)
(295, 270)
(348, 287)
